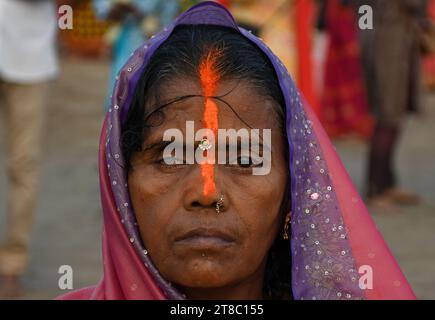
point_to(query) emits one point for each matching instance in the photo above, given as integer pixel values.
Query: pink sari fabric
(368, 248)
(332, 233)
(125, 275)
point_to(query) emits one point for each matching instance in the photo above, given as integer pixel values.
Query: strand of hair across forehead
(209, 78)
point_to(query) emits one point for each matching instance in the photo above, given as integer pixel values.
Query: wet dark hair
(240, 59)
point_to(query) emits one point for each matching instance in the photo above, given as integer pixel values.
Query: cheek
(153, 203)
(258, 206)
(261, 211)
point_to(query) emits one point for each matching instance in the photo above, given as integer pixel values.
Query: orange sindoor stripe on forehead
(209, 78)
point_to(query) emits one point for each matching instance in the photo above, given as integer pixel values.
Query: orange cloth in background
(305, 15)
(87, 36)
(287, 27)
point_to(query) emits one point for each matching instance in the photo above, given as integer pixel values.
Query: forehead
(242, 105)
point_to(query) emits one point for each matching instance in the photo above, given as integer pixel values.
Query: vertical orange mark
(207, 172)
(209, 78)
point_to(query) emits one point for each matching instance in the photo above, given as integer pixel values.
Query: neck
(250, 288)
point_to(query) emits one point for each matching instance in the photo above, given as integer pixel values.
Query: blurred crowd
(361, 82)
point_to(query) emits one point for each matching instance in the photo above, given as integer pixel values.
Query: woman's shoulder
(80, 294)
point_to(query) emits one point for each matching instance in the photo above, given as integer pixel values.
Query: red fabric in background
(344, 105)
(429, 61)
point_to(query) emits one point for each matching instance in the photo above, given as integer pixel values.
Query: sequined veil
(332, 234)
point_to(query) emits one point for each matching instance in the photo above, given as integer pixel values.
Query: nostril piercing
(220, 203)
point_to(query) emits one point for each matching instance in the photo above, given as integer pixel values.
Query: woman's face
(189, 242)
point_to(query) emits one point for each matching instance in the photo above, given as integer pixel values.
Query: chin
(202, 273)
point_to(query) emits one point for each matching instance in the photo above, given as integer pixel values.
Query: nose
(195, 199)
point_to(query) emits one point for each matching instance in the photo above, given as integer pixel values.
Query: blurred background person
(391, 55)
(135, 21)
(28, 62)
(344, 108)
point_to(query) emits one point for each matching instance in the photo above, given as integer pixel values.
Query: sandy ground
(67, 228)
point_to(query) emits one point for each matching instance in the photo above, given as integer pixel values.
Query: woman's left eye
(246, 162)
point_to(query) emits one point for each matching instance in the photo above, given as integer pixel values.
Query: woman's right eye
(171, 161)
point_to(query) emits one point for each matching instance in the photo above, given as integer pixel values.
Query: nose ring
(220, 203)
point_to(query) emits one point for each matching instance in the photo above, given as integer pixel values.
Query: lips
(203, 238)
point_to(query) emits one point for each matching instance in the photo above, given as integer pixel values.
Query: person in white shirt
(28, 62)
